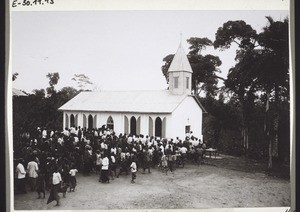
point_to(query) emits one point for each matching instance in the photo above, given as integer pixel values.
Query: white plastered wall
(118, 119)
(187, 113)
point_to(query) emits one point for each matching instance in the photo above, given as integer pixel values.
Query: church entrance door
(158, 127)
(90, 122)
(133, 125)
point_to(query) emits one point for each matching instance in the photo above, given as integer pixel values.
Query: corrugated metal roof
(17, 92)
(180, 61)
(125, 101)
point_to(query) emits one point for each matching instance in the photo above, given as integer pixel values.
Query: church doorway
(158, 127)
(133, 126)
(90, 122)
(110, 123)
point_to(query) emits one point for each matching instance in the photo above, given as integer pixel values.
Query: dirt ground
(222, 182)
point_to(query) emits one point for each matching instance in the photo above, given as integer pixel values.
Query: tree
(39, 93)
(167, 60)
(262, 66)
(14, 76)
(275, 79)
(237, 32)
(53, 80)
(221, 118)
(239, 79)
(68, 92)
(82, 80)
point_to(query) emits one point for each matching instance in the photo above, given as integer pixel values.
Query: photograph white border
(83, 5)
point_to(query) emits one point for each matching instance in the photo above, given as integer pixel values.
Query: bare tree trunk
(275, 124)
(247, 138)
(275, 136)
(267, 131)
(270, 162)
(242, 140)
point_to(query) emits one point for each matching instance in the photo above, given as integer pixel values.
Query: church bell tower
(180, 74)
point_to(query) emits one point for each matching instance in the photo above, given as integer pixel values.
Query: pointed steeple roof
(180, 61)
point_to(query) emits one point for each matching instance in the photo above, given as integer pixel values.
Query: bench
(211, 151)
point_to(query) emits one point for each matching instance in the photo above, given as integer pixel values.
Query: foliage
(235, 31)
(82, 80)
(167, 60)
(260, 74)
(14, 76)
(39, 109)
(221, 117)
(53, 80)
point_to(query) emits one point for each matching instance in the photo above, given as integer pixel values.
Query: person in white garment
(32, 168)
(21, 177)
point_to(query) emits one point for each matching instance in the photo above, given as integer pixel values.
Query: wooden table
(211, 151)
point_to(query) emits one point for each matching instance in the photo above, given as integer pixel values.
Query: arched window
(110, 123)
(133, 125)
(72, 121)
(158, 127)
(90, 122)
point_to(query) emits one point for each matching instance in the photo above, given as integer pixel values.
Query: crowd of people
(48, 159)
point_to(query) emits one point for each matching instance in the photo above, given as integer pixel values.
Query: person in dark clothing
(146, 160)
(56, 184)
(123, 167)
(41, 185)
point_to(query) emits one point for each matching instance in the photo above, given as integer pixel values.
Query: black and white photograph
(140, 109)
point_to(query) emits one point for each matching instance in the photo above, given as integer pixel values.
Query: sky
(117, 50)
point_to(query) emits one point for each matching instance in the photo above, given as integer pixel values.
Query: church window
(110, 123)
(176, 82)
(187, 82)
(187, 129)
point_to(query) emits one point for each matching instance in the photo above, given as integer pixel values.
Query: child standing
(113, 166)
(73, 181)
(164, 163)
(133, 170)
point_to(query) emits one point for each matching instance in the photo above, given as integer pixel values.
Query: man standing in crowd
(32, 168)
(104, 169)
(56, 184)
(21, 174)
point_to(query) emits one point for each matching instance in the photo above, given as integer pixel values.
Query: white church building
(167, 114)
